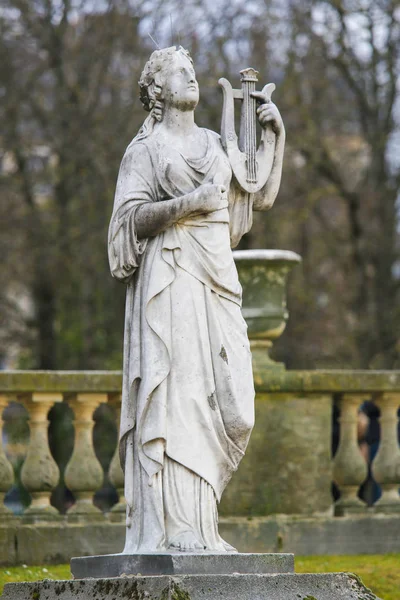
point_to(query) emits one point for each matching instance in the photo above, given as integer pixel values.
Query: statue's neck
(178, 122)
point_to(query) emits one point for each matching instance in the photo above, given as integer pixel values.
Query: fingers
(266, 116)
(267, 113)
(261, 97)
(222, 201)
(264, 107)
(219, 187)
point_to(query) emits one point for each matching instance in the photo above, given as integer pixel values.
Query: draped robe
(188, 395)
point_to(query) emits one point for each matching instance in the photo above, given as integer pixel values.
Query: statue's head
(168, 77)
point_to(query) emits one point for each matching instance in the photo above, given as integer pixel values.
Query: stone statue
(188, 395)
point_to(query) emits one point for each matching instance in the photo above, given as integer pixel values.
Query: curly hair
(150, 85)
(150, 81)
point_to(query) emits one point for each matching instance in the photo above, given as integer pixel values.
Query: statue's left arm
(269, 116)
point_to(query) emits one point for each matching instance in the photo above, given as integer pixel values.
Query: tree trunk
(44, 299)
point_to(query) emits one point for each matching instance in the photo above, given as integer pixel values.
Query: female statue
(188, 396)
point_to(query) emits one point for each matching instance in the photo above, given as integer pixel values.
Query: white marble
(188, 396)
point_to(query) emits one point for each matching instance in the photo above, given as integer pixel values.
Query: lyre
(251, 166)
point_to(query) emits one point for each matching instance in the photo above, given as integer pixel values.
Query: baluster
(349, 467)
(6, 469)
(40, 473)
(84, 473)
(386, 466)
(115, 472)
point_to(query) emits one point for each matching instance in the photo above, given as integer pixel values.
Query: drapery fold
(188, 391)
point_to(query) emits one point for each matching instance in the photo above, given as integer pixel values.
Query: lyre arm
(265, 197)
(271, 161)
(228, 133)
(229, 138)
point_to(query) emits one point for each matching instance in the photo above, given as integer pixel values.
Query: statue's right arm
(151, 218)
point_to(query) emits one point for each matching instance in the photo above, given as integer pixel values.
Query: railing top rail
(60, 381)
(329, 381)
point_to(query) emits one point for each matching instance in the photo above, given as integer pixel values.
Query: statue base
(249, 586)
(180, 563)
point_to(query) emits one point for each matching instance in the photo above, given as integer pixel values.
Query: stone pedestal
(249, 586)
(187, 576)
(179, 563)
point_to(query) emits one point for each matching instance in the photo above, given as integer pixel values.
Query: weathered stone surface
(6, 468)
(268, 381)
(369, 534)
(8, 550)
(60, 381)
(264, 533)
(84, 473)
(327, 381)
(181, 347)
(386, 465)
(332, 586)
(263, 275)
(54, 543)
(115, 565)
(288, 466)
(40, 473)
(352, 535)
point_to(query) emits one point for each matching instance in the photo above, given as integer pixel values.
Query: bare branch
(392, 56)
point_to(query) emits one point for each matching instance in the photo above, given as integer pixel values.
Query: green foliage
(70, 107)
(28, 573)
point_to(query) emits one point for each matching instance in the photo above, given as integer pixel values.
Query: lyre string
(250, 141)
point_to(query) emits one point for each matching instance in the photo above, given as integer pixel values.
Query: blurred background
(69, 106)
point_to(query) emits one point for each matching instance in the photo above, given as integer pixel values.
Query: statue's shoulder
(214, 138)
(136, 159)
(137, 147)
(213, 134)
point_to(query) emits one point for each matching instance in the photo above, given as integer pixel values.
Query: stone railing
(38, 393)
(350, 466)
(302, 417)
(288, 460)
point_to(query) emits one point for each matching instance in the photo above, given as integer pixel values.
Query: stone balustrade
(38, 392)
(289, 468)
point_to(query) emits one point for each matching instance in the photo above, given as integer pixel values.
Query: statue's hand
(268, 113)
(210, 197)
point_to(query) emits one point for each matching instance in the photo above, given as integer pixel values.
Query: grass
(380, 573)
(26, 573)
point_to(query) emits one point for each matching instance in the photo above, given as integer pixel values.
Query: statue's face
(180, 87)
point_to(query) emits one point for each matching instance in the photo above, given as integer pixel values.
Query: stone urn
(263, 275)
